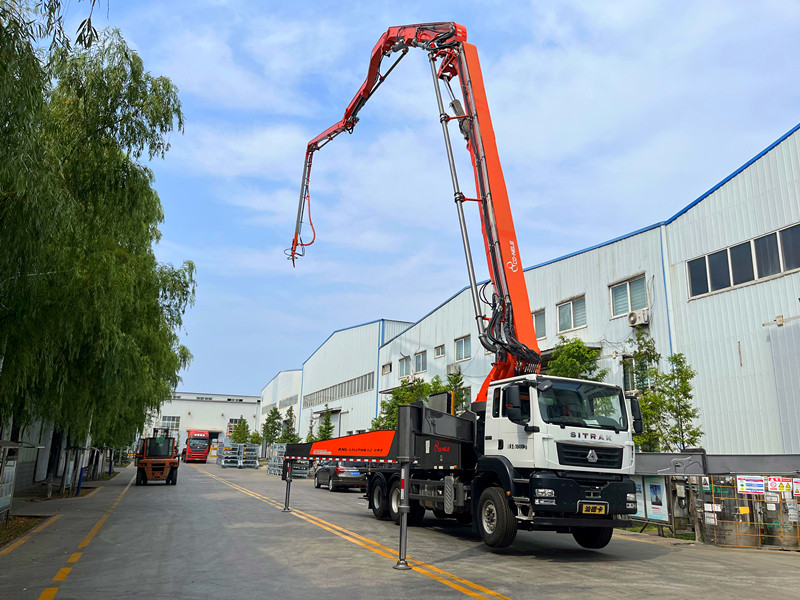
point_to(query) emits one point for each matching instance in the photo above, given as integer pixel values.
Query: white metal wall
(210, 415)
(723, 334)
(282, 392)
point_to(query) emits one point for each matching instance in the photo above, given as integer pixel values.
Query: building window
(767, 258)
(420, 362)
(385, 369)
(404, 365)
(572, 315)
(719, 273)
(790, 245)
(438, 352)
(539, 324)
(742, 264)
(631, 379)
(463, 348)
(171, 423)
(628, 296)
(698, 276)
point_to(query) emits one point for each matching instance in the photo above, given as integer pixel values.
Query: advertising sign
(640, 514)
(750, 484)
(796, 485)
(779, 484)
(656, 501)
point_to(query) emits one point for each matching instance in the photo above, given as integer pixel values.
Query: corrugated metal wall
(723, 333)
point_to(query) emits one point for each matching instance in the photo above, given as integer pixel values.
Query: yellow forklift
(156, 459)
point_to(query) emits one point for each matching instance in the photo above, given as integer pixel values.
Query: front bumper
(587, 498)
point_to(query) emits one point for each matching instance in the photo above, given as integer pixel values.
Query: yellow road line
(48, 594)
(74, 557)
(62, 574)
(85, 542)
(14, 545)
(453, 581)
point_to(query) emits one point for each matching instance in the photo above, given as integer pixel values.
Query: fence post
(404, 451)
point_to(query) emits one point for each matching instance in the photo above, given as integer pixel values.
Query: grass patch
(17, 526)
(653, 530)
(106, 476)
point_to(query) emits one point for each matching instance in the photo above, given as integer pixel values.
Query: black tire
(593, 538)
(496, 523)
(394, 501)
(138, 477)
(316, 481)
(417, 513)
(331, 485)
(379, 498)
(174, 476)
(440, 514)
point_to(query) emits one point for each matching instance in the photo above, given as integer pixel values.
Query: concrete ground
(222, 534)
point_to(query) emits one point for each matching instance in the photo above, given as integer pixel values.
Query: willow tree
(90, 317)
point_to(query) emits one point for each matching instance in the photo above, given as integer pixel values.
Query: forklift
(156, 459)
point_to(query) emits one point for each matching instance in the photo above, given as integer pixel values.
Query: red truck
(198, 443)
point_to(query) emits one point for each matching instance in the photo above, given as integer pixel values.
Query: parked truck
(534, 452)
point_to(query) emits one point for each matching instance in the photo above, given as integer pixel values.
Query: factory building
(719, 282)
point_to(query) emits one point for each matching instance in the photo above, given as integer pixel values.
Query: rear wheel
(394, 501)
(593, 537)
(378, 496)
(331, 485)
(138, 477)
(316, 481)
(496, 522)
(417, 513)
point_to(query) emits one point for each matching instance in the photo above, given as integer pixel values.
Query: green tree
(455, 384)
(255, 437)
(325, 425)
(310, 437)
(271, 428)
(289, 434)
(241, 432)
(410, 391)
(88, 316)
(572, 358)
(668, 413)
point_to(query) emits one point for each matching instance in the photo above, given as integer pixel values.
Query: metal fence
(750, 511)
(275, 453)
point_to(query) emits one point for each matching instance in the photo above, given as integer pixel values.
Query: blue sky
(609, 117)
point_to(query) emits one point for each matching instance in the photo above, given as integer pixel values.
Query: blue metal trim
(378, 369)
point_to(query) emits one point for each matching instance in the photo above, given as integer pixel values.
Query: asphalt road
(222, 534)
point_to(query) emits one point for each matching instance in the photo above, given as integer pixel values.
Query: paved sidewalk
(52, 545)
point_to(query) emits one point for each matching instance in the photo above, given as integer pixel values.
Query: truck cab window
(496, 404)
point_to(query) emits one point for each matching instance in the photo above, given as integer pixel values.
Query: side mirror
(636, 410)
(513, 404)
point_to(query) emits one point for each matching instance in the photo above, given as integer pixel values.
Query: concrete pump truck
(533, 452)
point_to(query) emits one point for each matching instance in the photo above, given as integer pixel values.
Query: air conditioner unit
(453, 368)
(637, 318)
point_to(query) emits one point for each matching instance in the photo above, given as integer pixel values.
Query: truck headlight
(631, 498)
(544, 493)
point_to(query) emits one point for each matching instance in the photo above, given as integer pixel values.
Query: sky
(609, 117)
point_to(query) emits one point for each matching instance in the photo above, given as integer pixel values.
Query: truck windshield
(583, 405)
(198, 445)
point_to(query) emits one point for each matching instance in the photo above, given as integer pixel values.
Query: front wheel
(593, 537)
(331, 485)
(174, 477)
(496, 523)
(316, 481)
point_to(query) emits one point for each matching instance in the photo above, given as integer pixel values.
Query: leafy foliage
(289, 434)
(325, 425)
(255, 437)
(271, 428)
(88, 316)
(572, 358)
(410, 391)
(310, 437)
(241, 432)
(668, 414)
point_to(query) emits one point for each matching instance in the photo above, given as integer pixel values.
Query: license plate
(593, 509)
(355, 473)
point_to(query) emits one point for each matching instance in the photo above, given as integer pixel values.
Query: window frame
(438, 351)
(385, 370)
(542, 312)
(627, 283)
(571, 303)
(405, 360)
(421, 357)
(465, 356)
